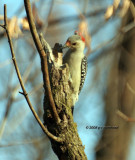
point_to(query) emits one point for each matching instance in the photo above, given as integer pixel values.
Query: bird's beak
(66, 45)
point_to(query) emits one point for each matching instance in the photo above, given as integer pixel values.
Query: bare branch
(2, 26)
(43, 57)
(125, 117)
(34, 140)
(45, 130)
(3, 124)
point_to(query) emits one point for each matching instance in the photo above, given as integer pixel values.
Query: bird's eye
(74, 44)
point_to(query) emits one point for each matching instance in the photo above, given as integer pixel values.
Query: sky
(91, 108)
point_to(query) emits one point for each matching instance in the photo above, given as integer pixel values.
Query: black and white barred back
(83, 72)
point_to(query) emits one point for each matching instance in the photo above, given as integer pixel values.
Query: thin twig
(48, 16)
(125, 117)
(43, 57)
(128, 27)
(3, 124)
(35, 140)
(2, 26)
(45, 130)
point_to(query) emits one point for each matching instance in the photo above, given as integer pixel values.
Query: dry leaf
(111, 9)
(108, 13)
(24, 23)
(14, 28)
(116, 4)
(83, 28)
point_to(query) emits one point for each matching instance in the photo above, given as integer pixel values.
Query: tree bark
(71, 148)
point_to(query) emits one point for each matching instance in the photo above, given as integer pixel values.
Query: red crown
(80, 34)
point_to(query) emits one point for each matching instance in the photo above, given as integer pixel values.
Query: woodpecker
(76, 61)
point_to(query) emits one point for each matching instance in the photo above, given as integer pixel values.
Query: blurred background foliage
(108, 96)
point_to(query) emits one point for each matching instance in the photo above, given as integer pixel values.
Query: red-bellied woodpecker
(76, 61)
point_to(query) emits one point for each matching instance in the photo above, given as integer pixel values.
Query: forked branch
(43, 57)
(45, 130)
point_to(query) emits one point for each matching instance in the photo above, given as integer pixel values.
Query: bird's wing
(83, 72)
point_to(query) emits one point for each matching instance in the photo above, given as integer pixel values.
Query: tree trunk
(71, 148)
(120, 99)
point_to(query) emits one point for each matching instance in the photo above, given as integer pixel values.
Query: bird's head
(76, 41)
